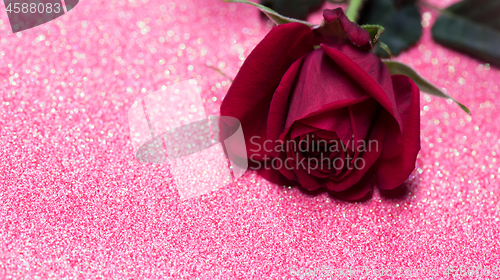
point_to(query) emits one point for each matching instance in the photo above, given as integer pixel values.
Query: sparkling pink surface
(75, 204)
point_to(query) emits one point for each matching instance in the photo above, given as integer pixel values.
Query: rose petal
(306, 180)
(369, 72)
(359, 190)
(393, 172)
(337, 27)
(278, 110)
(335, 121)
(299, 129)
(392, 139)
(338, 121)
(364, 115)
(250, 95)
(321, 82)
(370, 157)
(363, 119)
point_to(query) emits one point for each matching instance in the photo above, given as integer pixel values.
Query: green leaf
(298, 9)
(273, 15)
(385, 48)
(423, 84)
(473, 27)
(374, 30)
(401, 20)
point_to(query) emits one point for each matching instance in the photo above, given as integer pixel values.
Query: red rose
(304, 91)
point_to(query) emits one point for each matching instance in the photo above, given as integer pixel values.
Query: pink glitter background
(75, 204)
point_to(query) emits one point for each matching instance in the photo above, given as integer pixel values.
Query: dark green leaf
(423, 84)
(374, 30)
(273, 15)
(383, 46)
(294, 8)
(401, 20)
(471, 26)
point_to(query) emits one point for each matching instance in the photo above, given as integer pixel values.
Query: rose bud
(319, 110)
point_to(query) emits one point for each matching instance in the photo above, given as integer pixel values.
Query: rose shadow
(398, 194)
(332, 196)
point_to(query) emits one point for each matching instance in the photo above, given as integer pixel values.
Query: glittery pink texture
(75, 204)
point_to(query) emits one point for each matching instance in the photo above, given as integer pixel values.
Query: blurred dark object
(401, 3)
(298, 9)
(401, 20)
(473, 27)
